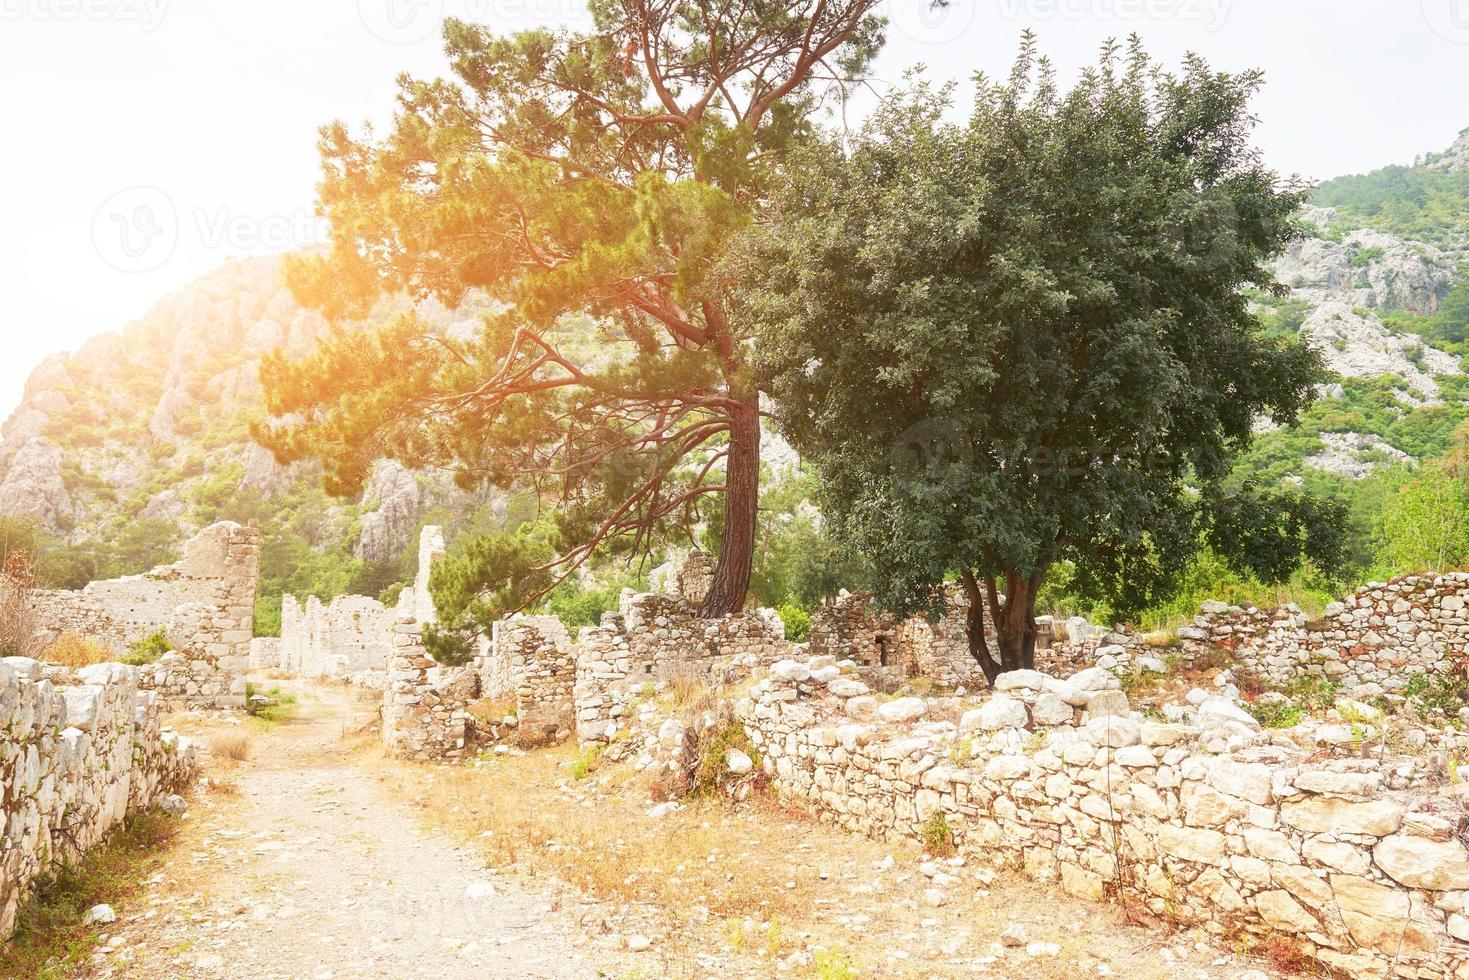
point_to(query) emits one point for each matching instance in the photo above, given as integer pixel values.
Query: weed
(230, 745)
(961, 751)
(1437, 693)
(1277, 714)
(832, 965)
(734, 930)
(773, 938)
(938, 838)
(1316, 692)
(713, 746)
(71, 650)
(1286, 957)
(587, 761)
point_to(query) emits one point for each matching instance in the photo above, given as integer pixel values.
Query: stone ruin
(551, 686)
(82, 750)
(1207, 820)
(1371, 643)
(204, 603)
(890, 653)
(352, 636)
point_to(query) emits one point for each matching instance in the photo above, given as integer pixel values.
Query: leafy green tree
(578, 179)
(1025, 339)
(1426, 523)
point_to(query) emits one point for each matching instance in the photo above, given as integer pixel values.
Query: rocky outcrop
(1454, 160)
(1355, 343)
(392, 504)
(1355, 455)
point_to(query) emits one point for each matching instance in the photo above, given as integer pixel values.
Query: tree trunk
(1014, 623)
(741, 505)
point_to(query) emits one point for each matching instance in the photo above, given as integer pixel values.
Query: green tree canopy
(1025, 338)
(578, 179)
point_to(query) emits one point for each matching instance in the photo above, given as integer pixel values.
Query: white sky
(211, 107)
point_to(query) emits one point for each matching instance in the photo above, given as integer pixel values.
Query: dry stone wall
(353, 633)
(890, 652)
(658, 637)
(79, 753)
(1215, 823)
(205, 603)
(532, 660)
(1371, 643)
(425, 705)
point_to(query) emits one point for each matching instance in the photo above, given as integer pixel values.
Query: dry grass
(18, 623)
(719, 876)
(71, 650)
(234, 746)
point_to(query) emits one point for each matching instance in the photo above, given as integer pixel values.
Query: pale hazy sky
(198, 117)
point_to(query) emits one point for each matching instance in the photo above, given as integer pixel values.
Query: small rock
(738, 762)
(638, 944)
(174, 804)
(934, 897)
(100, 915)
(480, 890)
(1013, 935)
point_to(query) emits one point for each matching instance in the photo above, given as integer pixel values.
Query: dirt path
(307, 871)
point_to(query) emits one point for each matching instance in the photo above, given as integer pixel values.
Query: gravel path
(309, 872)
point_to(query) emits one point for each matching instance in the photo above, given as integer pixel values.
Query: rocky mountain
(147, 427)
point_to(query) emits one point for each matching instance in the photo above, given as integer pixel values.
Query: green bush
(148, 649)
(797, 621)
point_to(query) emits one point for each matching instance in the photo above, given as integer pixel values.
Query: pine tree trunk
(741, 505)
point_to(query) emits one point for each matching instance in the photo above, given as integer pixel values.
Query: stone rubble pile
(75, 760)
(1206, 820)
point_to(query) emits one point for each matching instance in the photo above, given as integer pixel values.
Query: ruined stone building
(204, 603)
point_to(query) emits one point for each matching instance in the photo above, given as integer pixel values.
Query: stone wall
(75, 759)
(532, 660)
(353, 633)
(1371, 643)
(205, 603)
(1361, 860)
(425, 705)
(888, 651)
(658, 637)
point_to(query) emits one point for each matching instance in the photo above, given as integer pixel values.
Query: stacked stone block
(75, 760)
(205, 603)
(1361, 860)
(1371, 643)
(425, 705)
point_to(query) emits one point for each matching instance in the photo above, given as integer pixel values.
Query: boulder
(901, 710)
(999, 712)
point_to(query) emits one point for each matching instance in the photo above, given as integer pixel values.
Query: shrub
(71, 650)
(797, 621)
(1277, 714)
(938, 839)
(148, 649)
(717, 740)
(587, 761)
(831, 964)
